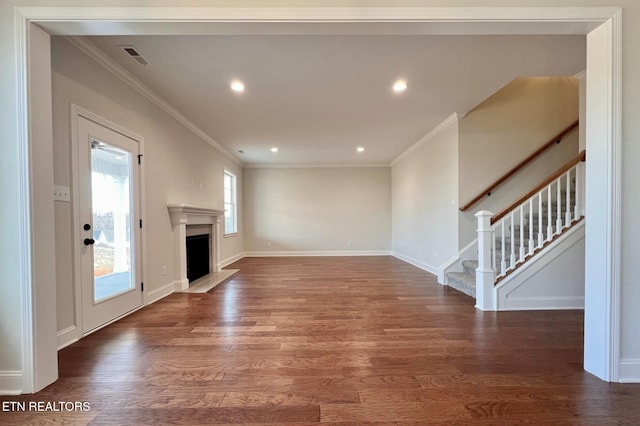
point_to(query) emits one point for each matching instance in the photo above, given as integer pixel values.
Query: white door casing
(96, 305)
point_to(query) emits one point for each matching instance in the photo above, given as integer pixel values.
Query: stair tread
(462, 276)
(469, 266)
(463, 282)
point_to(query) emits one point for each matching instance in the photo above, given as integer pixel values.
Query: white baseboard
(315, 253)
(230, 260)
(68, 336)
(418, 264)
(629, 371)
(542, 303)
(10, 382)
(180, 285)
(159, 293)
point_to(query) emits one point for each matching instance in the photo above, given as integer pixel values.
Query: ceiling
(319, 97)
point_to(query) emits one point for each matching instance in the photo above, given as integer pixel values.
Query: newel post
(485, 274)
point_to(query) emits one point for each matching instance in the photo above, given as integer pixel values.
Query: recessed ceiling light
(274, 149)
(360, 149)
(237, 86)
(399, 86)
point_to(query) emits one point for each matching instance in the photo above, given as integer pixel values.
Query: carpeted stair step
(545, 219)
(465, 283)
(507, 242)
(554, 203)
(536, 229)
(554, 215)
(469, 267)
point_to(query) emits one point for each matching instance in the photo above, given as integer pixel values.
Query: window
(230, 204)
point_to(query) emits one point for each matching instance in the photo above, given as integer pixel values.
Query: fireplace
(188, 222)
(197, 256)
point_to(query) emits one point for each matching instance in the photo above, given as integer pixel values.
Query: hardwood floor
(336, 340)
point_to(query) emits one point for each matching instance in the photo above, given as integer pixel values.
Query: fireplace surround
(184, 216)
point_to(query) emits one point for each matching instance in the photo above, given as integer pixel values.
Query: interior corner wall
(506, 128)
(424, 185)
(179, 167)
(323, 209)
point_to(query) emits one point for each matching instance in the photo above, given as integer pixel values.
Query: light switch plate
(61, 193)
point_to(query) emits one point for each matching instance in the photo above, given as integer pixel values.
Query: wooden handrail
(520, 165)
(555, 175)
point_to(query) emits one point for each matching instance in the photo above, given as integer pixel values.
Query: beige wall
(317, 209)
(176, 163)
(505, 129)
(424, 201)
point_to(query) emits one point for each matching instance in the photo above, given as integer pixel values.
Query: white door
(108, 167)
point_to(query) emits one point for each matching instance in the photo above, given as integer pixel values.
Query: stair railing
(508, 239)
(502, 179)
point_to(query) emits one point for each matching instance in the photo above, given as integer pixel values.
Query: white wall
(317, 209)
(424, 199)
(503, 130)
(176, 164)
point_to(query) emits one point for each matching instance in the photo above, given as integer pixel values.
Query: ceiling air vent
(131, 51)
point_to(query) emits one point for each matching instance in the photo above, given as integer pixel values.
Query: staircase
(520, 232)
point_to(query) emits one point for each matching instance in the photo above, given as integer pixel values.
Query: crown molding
(453, 118)
(315, 166)
(92, 51)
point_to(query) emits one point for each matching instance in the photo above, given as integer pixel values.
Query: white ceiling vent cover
(131, 51)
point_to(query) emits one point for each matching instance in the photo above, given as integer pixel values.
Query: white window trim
(234, 202)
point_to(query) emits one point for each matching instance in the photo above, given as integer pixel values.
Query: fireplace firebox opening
(197, 256)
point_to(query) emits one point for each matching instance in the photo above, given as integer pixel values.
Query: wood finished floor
(335, 340)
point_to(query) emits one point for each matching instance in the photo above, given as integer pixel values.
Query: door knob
(89, 241)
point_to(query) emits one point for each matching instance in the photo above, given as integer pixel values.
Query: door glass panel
(111, 203)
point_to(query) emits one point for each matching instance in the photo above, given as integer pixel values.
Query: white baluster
(576, 207)
(549, 217)
(512, 258)
(530, 225)
(521, 233)
(540, 214)
(503, 263)
(567, 214)
(559, 206)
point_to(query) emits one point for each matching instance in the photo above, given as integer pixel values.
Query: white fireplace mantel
(193, 215)
(181, 216)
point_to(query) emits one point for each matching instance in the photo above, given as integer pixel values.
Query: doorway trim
(98, 19)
